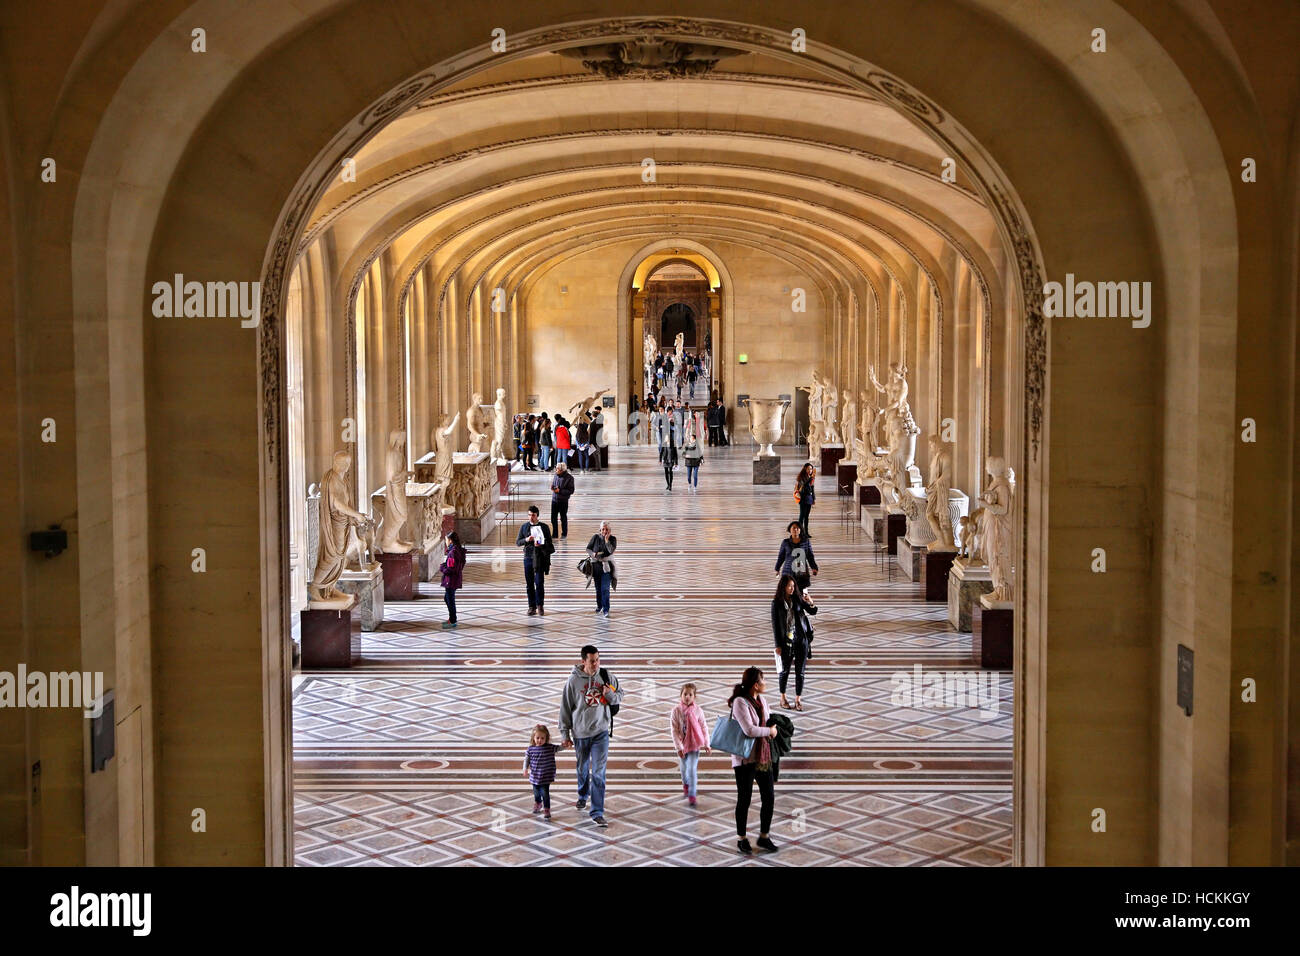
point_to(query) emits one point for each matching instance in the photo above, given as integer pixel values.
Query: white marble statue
(337, 516)
(679, 349)
(969, 550)
(998, 527)
(937, 512)
(848, 426)
(830, 410)
(649, 348)
(395, 506)
(476, 422)
(581, 411)
(500, 427)
(444, 446)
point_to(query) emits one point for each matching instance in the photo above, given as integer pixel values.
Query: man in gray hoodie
(585, 720)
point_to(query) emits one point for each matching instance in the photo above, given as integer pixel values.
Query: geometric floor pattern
(414, 756)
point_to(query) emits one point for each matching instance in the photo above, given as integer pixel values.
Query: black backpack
(613, 708)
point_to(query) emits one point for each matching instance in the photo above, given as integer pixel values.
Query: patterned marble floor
(413, 758)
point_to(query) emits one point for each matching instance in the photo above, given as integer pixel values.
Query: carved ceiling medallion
(650, 57)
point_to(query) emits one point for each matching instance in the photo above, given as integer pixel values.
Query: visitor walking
(668, 451)
(544, 442)
(535, 538)
(806, 494)
(713, 418)
(690, 736)
(517, 434)
(584, 437)
(599, 549)
(561, 492)
(539, 767)
(691, 375)
(796, 557)
(693, 455)
(586, 719)
(453, 577)
(563, 439)
(749, 710)
(793, 634)
(530, 442)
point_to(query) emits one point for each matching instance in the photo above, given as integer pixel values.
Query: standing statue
(679, 348)
(936, 498)
(996, 534)
(581, 410)
(395, 506)
(337, 516)
(649, 348)
(849, 426)
(816, 394)
(444, 449)
(830, 407)
(476, 422)
(500, 427)
(970, 536)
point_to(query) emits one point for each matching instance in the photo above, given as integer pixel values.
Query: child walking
(539, 767)
(689, 737)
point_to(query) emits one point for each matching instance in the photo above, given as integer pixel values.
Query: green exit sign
(742, 358)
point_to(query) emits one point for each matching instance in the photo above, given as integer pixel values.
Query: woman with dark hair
(805, 493)
(453, 577)
(796, 557)
(792, 633)
(749, 710)
(668, 448)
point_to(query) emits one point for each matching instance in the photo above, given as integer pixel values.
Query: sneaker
(599, 821)
(537, 808)
(604, 614)
(448, 625)
(547, 813)
(581, 804)
(686, 789)
(744, 848)
(765, 843)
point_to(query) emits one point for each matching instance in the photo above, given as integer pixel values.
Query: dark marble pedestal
(846, 474)
(331, 637)
(399, 576)
(935, 566)
(868, 495)
(767, 470)
(831, 457)
(992, 636)
(895, 528)
(503, 477)
(604, 457)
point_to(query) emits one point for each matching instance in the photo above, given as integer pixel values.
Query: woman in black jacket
(806, 495)
(668, 453)
(792, 633)
(796, 557)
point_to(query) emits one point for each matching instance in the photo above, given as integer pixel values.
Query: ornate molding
(651, 57)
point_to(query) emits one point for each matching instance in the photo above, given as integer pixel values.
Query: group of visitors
(668, 379)
(542, 444)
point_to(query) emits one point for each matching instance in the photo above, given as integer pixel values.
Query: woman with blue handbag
(749, 710)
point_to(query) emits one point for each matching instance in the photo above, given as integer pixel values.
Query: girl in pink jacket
(690, 736)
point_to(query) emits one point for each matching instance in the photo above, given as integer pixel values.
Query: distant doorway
(678, 317)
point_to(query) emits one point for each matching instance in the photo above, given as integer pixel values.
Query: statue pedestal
(846, 477)
(895, 529)
(935, 566)
(331, 637)
(910, 557)
(831, 456)
(992, 634)
(423, 524)
(474, 492)
(966, 582)
(864, 494)
(367, 590)
(424, 469)
(767, 470)
(475, 529)
(399, 575)
(873, 523)
(503, 477)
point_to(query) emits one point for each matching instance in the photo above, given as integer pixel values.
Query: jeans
(693, 475)
(746, 774)
(690, 765)
(804, 508)
(797, 660)
(592, 753)
(544, 457)
(560, 515)
(601, 577)
(536, 582)
(692, 389)
(449, 596)
(582, 457)
(668, 476)
(542, 794)
(715, 434)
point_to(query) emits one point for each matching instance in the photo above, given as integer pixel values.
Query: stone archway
(172, 228)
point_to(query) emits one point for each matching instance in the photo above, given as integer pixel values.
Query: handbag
(729, 738)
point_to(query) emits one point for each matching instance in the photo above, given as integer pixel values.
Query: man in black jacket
(561, 492)
(535, 538)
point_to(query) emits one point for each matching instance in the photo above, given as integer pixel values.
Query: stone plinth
(423, 524)
(367, 588)
(474, 493)
(846, 477)
(331, 637)
(935, 566)
(965, 585)
(863, 495)
(399, 575)
(992, 633)
(424, 469)
(767, 470)
(831, 455)
(503, 477)
(873, 523)
(895, 529)
(910, 557)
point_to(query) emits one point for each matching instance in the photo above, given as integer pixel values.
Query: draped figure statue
(337, 516)
(395, 504)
